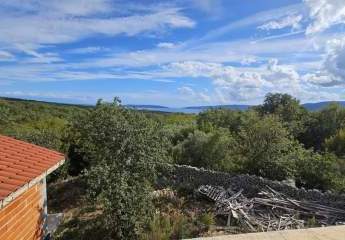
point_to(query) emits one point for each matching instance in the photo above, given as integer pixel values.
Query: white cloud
(324, 14)
(258, 18)
(53, 22)
(59, 7)
(243, 84)
(332, 72)
(36, 57)
(229, 82)
(164, 80)
(88, 50)
(61, 96)
(282, 76)
(168, 45)
(33, 27)
(216, 52)
(292, 21)
(186, 90)
(191, 94)
(6, 56)
(248, 60)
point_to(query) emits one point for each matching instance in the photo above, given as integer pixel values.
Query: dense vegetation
(116, 149)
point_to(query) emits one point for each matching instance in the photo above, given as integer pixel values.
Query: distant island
(144, 106)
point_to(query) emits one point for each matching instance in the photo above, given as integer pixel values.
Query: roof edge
(4, 202)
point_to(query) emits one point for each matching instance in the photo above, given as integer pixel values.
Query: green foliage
(15, 111)
(288, 109)
(336, 143)
(317, 171)
(215, 118)
(312, 222)
(267, 149)
(212, 119)
(322, 125)
(160, 228)
(208, 219)
(284, 105)
(121, 146)
(165, 227)
(116, 149)
(212, 150)
(44, 132)
(4, 115)
(36, 122)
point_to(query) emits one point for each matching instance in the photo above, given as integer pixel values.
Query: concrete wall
(23, 217)
(191, 178)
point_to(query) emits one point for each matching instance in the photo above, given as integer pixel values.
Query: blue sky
(174, 53)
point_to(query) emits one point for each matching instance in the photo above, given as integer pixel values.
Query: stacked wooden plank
(270, 210)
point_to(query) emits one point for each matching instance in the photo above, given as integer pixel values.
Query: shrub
(212, 150)
(122, 147)
(160, 228)
(207, 219)
(265, 148)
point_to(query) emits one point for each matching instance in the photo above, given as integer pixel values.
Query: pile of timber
(270, 210)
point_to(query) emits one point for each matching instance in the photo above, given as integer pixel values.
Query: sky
(174, 53)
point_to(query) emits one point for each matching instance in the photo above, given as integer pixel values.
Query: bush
(46, 132)
(160, 228)
(232, 120)
(317, 171)
(266, 149)
(212, 150)
(164, 227)
(322, 125)
(208, 219)
(121, 147)
(287, 109)
(336, 143)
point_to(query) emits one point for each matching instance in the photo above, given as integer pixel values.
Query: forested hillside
(116, 149)
(38, 122)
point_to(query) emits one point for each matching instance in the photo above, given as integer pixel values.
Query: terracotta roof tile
(21, 162)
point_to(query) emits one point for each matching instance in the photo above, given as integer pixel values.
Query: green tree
(336, 143)
(233, 120)
(122, 147)
(288, 109)
(212, 150)
(318, 171)
(266, 149)
(44, 132)
(216, 118)
(4, 115)
(322, 125)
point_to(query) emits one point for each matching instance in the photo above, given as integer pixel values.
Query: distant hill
(310, 106)
(321, 105)
(16, 112)
(45, 102)
(191, 109)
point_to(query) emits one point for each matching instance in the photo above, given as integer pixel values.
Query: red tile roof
(22, 162)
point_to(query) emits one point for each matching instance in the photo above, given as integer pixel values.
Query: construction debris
(270, 210)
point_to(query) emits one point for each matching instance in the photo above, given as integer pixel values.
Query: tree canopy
(122, 147)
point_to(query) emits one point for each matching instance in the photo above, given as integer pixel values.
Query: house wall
(23, 217)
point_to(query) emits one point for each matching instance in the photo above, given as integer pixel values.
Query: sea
(172, 110)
